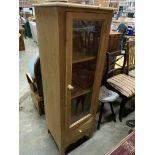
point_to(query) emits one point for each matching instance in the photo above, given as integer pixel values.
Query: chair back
(130, 54)
(112, 59)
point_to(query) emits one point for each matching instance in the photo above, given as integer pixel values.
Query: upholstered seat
(123, 83)
(107, 95)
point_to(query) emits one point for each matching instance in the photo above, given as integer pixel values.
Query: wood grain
(54, 25)
(47, 26)
(130, 55)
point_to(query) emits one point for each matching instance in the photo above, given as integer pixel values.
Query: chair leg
(121, 108)
(77, 105)
(100, 115)
(82, 103)
(81, 100)
(112, 110)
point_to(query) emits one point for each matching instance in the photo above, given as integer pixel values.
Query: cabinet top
(73, 5)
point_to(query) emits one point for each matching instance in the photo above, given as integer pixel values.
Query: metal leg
(121, 108)
(112, 110)
(100, 115)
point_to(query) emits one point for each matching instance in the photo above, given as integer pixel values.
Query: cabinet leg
(91, 134)
(40, 111)
(49, 131)
(62, 151)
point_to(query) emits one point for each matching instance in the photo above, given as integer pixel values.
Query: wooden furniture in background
(36, 87)
(130, 38)
(114, 41)
(27, 3)
(76, 1)
(126, 20)
(28, 15)
(114, 4)
(102, 3)
(130, 55)
(33, 19)
(21, 40)
(130, 58)
(72, 52)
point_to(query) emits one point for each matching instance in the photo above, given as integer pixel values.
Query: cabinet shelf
(80, 57)
(78, 91)
(84, 59)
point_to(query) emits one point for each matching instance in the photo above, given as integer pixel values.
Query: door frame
(70, 16)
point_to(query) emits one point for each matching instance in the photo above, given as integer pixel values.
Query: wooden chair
(130, 58)
(130, 54)
(36, 87)
(121, 83)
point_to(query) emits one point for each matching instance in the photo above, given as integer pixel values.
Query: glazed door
(85, 35)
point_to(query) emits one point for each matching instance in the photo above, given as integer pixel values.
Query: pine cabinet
(72, 39)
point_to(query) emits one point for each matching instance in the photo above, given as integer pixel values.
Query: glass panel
(85, 39)
(80, 107)
(86, 36)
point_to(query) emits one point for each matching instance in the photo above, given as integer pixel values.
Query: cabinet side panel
(62, 60)
(47, 26)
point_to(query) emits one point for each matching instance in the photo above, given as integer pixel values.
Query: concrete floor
(34, 138)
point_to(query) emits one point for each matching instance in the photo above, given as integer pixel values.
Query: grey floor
(34, 138)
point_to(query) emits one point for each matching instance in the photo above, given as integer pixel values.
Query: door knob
(80, 130)
(70, 87)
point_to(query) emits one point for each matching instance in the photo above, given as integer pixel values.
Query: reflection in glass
(86, 36)
(80, 107)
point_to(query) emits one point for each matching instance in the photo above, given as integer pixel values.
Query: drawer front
(81, 131)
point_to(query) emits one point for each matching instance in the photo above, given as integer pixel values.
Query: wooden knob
(70, 87)
(80, 130)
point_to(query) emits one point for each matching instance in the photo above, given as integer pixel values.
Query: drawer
(81, 131)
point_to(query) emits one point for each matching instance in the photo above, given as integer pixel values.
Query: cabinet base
(76, 144)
